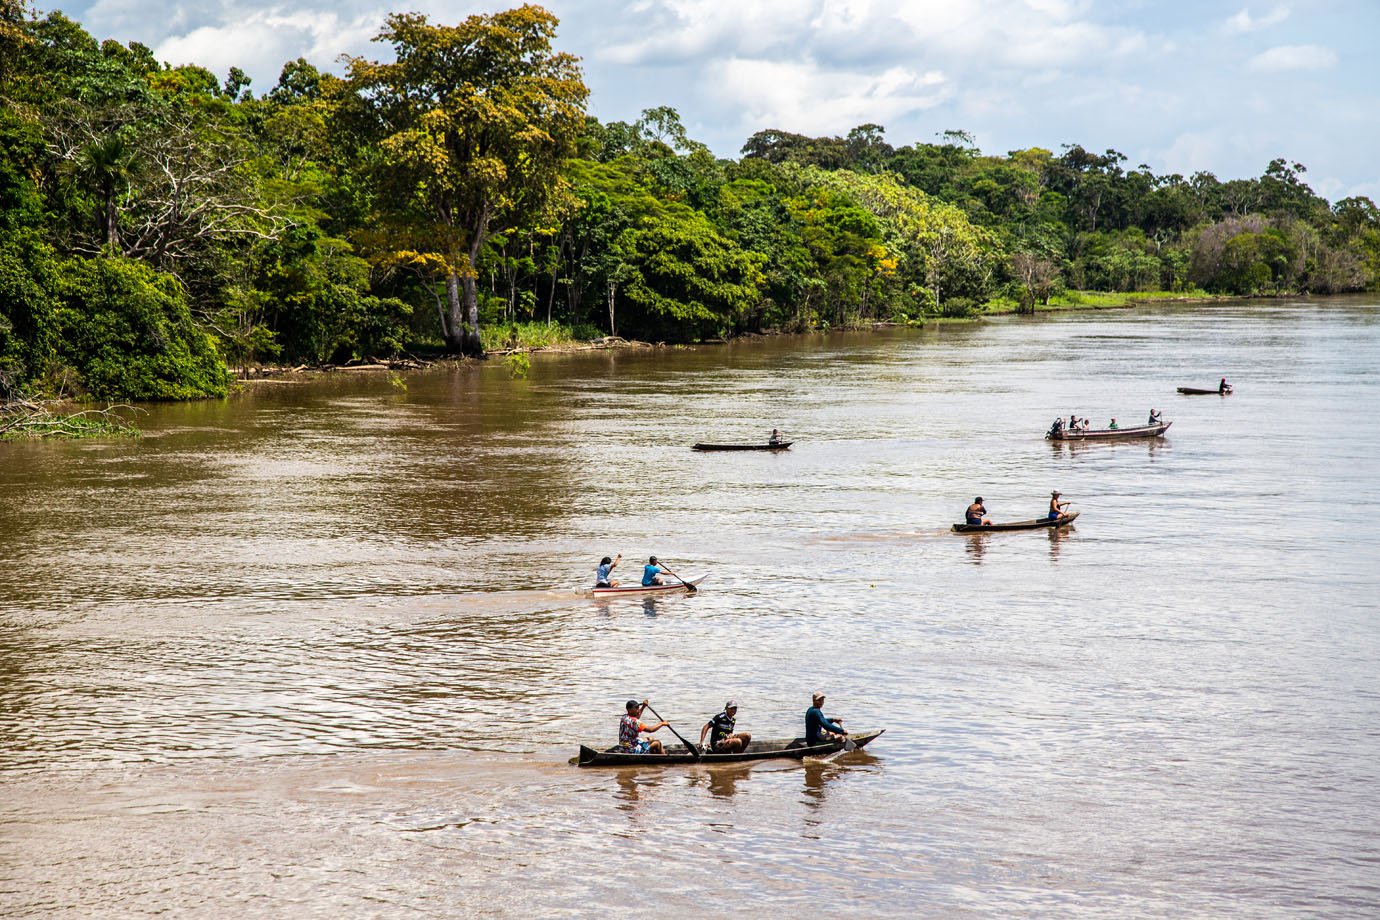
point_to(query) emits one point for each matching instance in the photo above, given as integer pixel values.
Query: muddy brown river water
(317, 650)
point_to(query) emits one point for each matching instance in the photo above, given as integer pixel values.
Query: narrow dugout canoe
(1109, 434)
(1196, 391)
(639, 588)
(784, 445)
(1037, 524)
(785, 749)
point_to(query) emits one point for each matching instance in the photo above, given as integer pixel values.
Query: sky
(1178, 85)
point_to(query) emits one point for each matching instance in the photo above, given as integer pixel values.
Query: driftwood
(23, 419)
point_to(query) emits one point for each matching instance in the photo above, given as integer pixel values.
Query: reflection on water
(341, 612)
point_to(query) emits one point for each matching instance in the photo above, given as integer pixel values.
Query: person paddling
(1224, 387)
(775, 438)
(722, 738)
(818, 728)
(1056, 507)
(630, 728)
(1154, 417)
(1112, 425)
(606, 567)
(975, 515)
(651, 573)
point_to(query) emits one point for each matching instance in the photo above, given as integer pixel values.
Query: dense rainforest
(160, 225)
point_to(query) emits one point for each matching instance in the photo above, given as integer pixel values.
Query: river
(317, 650)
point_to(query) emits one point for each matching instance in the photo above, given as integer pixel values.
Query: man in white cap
(722, 739)
(818, 727)
(1056, 507)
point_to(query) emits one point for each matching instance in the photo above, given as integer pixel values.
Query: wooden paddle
(849, 744)
(689, 587)
(694, 751)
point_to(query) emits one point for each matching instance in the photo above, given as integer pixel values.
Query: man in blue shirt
(818, 728)
(651, 573)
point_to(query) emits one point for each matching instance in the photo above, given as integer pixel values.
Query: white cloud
(801, 97)
(261, 42)
(1294, 57)
(1245, 22)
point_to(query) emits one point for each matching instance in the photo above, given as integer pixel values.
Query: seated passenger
(722, 739)
(975, 513)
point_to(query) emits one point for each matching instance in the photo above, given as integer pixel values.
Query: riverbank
(527, 339)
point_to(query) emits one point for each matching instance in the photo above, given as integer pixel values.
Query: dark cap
(978, 499)
(632, 704)
(651, 559)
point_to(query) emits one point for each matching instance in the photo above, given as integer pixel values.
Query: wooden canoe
(1037, 524)
(1109, 434)
(783, 445)
(786, 749)
(1196, 391)
(639, 588)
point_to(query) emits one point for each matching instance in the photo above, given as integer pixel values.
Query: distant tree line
(158, 224)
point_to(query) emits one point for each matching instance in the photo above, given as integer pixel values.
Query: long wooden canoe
(1109, 434)
(781, 445)
(639, 588)
(1037, 524)
(790, 749)
(1196, 391)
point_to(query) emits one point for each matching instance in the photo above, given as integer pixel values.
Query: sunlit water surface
(317, 651)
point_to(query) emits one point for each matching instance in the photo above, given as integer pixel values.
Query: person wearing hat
(722, 739)
(975, 513)
(631, 727)
(818, 728)
(1056, 507)
(651, 573)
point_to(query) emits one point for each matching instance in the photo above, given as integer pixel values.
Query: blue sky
(1180, 85)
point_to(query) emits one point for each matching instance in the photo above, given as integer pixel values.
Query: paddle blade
(850, 745)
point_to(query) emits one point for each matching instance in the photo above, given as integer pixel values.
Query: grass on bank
(533, 335)
(1099, 300)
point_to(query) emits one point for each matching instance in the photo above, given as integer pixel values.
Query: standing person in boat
(775, 438)
(1154, 417)
(976, 513)
(606, 567)
(651, 573)
(630, 728)
(1056, 507)
(1112, 426)
(818, 728)
(722, 738)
